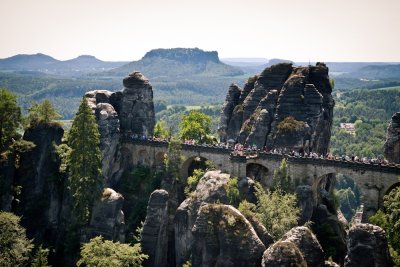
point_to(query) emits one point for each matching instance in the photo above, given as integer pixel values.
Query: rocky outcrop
(210, 189)
(281, 91)
(392, 144)
(122, 113)
(42, 185)
(307, 243)
(283, 253)
(154, 238)
(107, 218)
(305, 202)
(367, 246)
(222, 236)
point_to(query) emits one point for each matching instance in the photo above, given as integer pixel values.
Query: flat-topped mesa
(273, 106)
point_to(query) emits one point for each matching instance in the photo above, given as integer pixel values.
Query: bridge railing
(244, 156)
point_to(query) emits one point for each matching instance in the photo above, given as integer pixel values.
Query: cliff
(392, 144)
(285, 106)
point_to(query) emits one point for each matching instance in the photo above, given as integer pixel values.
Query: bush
(232, 190)
(193, 180)
(289, 125)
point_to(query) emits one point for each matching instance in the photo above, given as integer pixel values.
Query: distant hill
(387, 71)
(46, 64)
(178, 62)
(253, 66)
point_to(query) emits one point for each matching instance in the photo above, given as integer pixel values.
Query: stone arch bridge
(374, 180)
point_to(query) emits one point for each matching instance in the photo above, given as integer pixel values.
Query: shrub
(290, 125)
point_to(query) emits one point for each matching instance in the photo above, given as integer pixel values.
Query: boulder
(367, 246)
(307, 243)
(283, 253)
(154, 235)
(107, 218)
(392, 144)
(222, 236)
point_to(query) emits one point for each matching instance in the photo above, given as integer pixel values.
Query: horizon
(124, 30)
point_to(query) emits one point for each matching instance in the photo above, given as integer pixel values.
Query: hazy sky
(301, 30)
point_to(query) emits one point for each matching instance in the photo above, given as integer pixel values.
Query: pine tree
(85, 178)
(10, 118)
(40, 259)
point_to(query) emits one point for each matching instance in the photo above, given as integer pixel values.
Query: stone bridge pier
(374, 180)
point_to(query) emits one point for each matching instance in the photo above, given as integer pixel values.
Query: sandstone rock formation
(283, 253)
(253, 115)
(307, 243)
(222, 236)
(305, 201)
(42, 186)
(367, 246)
(154, 235)
(392, 144)
(120, 114)
(107, 218)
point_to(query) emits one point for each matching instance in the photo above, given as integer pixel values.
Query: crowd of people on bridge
(237, 149)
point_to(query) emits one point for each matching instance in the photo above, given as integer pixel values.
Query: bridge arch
(190, 164)
(159, 159)
(143, 158)
(258, 172)
(395, 185)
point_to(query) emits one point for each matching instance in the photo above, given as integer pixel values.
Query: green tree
(10, 118)
(161, 130)
(196, 126)
(85, 177)
(105, 253)
(193, 180)
(232, 190)
(40, 258)
(15, 248)
(276, 210)
(174, 158)
(281, 177)
(41, 113)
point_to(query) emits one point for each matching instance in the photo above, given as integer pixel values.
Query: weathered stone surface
(283, 253)
(210, 189)
(330, 264)
(222, 236)
(280, 91)
(305, 201)
(232, 99)
(137, 108)
(7, 172)
(42, 185)
(307, 243)
(154, 235)
(392, 144)
(330, 232)
(107, 218)
(367, 246)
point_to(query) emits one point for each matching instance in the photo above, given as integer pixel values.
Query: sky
(124, 30)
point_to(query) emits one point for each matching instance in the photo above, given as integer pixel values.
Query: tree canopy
(85, 177)
(43, 112)
(15, 248)
(10, 118)
(104, 253)
(196, 126)
(161, 130)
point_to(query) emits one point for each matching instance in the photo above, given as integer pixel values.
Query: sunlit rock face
(392, 144)
(256, 114)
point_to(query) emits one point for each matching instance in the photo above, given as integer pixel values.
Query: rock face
(307, 243)
(107, 218)
(253, 115)
(42, 185)
(192, 238)
(130, 111)
(305, 201)
(392, 144)
(367, 246)
(222, 236)
(154, 235)
(283, 253)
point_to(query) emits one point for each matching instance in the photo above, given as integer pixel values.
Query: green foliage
(276, 210)
(174, 158)
(196, 126)
(104, 253)
(41, 113)
(289, 125)
(161, 130)
(282, 179)
(40, 258)
(10, 118)
(85, 163)
(232, 190)
(193, 180)
(15, 248)
(64, 152)
(348, 195)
